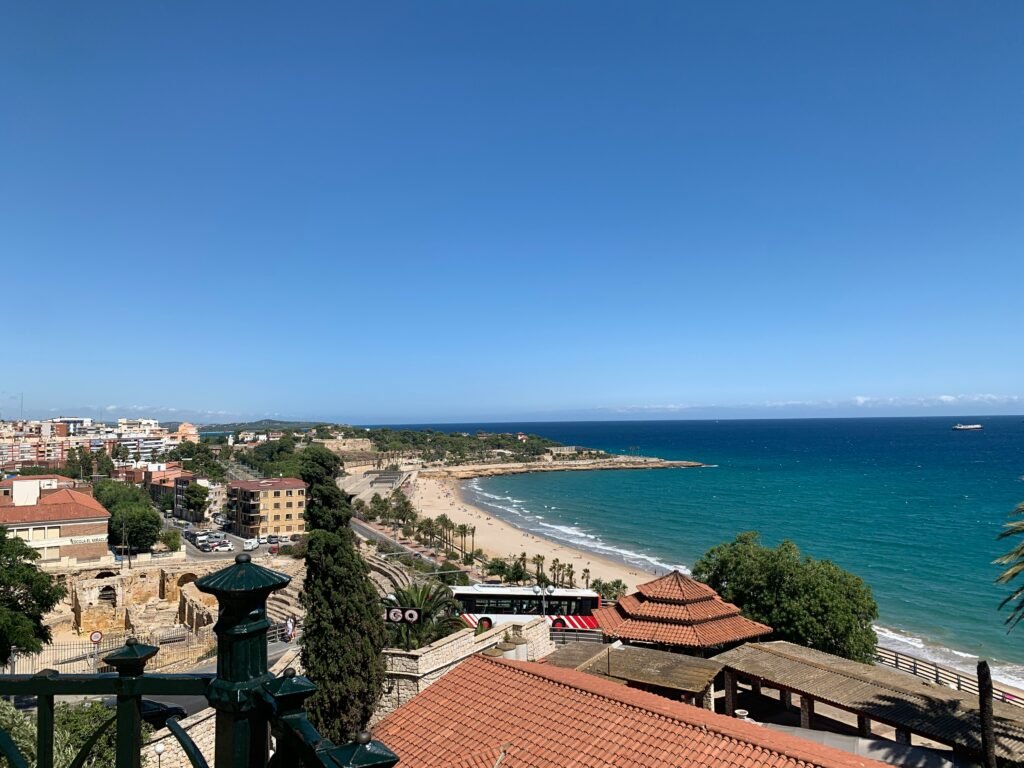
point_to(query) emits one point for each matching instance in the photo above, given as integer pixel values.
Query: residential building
(263, 507)
(56, 521)
(46, 483)
(521, 714)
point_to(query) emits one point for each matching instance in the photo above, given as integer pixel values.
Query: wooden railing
(952, 678)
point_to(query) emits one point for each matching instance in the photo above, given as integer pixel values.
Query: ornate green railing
(251, 704)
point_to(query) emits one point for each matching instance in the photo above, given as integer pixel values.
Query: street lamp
(544, 594)
(159, 749)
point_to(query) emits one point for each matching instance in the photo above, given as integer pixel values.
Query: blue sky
(455, 211)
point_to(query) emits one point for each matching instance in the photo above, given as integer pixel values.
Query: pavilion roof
(679, 611)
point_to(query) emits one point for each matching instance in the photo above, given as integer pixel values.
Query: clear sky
(424, 211)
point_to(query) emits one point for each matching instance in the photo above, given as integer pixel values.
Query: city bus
(487, 605)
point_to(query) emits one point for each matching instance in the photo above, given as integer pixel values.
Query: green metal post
(44, 725)
(130, 663)
(241, 591)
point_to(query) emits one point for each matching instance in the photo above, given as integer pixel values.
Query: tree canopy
(1014, 562)
(439, 614)
(133, 521)
(198, 459)
(811, 602)
(343, 633)
(26, 595)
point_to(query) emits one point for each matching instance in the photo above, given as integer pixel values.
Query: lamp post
(159, 749)
(544, 594)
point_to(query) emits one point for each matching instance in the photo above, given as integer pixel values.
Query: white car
(263, 539)
(224, 546)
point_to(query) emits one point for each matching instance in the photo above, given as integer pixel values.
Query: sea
(908, 504)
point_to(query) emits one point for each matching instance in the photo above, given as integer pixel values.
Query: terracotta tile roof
(540, 716)
(270, 484)
(677, 610)
(676, 587)
(59, 506)
(9, 482)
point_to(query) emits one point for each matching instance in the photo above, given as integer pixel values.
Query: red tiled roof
(9, 482)
(677, 610)
(55, 507)
(270, 484)
(540, 716)
(676, 587)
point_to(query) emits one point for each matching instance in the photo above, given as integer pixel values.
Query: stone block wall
(409, 672)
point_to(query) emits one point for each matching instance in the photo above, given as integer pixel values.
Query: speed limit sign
(95, 636)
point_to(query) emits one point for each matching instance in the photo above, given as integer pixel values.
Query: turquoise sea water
(911, 506)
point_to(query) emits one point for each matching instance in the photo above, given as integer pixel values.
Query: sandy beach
(435, 495)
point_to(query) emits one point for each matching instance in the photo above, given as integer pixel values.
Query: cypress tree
(343, 632)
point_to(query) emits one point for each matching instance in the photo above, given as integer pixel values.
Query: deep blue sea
(908, 504)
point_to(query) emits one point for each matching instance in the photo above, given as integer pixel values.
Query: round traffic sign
(95, 636)
(412, 615)
(395, 614)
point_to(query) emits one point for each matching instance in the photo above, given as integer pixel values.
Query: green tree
(196, 498)
(85, 463)
(134, 525)
(379, 507)
(317, 465)
(344, 631)
(810, 602)
(104, 464)
(1014, 562)
(439, 614)
(343, 636)
(171, 538)
(72, 467)
(26, 595)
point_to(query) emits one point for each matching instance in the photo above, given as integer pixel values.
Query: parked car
(156, 713)
(296, 537)
(272, 539)
(205, 547)
(224, 546)
(250, 544)
(263, 539)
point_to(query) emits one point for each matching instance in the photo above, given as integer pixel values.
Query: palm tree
(472, 534)
(443, 522)
(554, 569)
(1014, 562)
(439, 614)
(585, 575)
(463, 530)
(569, 575)
(538, 565)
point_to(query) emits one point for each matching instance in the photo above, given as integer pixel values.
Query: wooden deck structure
(673, 675)
(872, 693)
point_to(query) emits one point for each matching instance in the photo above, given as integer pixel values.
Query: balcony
(251, 704)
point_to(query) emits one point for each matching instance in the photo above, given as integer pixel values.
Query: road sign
(402, 615)
(95, 636)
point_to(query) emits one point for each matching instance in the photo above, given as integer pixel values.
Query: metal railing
(251, 704)
(935, 673)
(567, 635)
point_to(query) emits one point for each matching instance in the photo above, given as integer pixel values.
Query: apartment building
(54, 520)
(275, 506)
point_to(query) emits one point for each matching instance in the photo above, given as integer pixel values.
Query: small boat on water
(966, 427)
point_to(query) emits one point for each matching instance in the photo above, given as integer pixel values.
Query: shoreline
(440, 493)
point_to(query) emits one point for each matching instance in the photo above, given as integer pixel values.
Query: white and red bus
(487, 605)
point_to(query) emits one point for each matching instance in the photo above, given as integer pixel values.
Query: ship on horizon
(966, 427)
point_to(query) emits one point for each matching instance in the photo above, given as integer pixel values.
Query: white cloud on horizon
(856, 402)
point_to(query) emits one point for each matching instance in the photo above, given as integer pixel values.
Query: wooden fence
(952, 678)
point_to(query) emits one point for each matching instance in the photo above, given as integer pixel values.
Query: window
(277, 505)
(277, 494)
(263, 494)
(288, 492)
(287, 517)
(263, 518)
(288, 504)
(277, 517)
(53, 532)
(287, 527)
(301, 504)
(277, 529)
(302, 492)
(23, 533)
(301, 516)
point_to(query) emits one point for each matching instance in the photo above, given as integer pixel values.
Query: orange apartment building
(275, 506)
